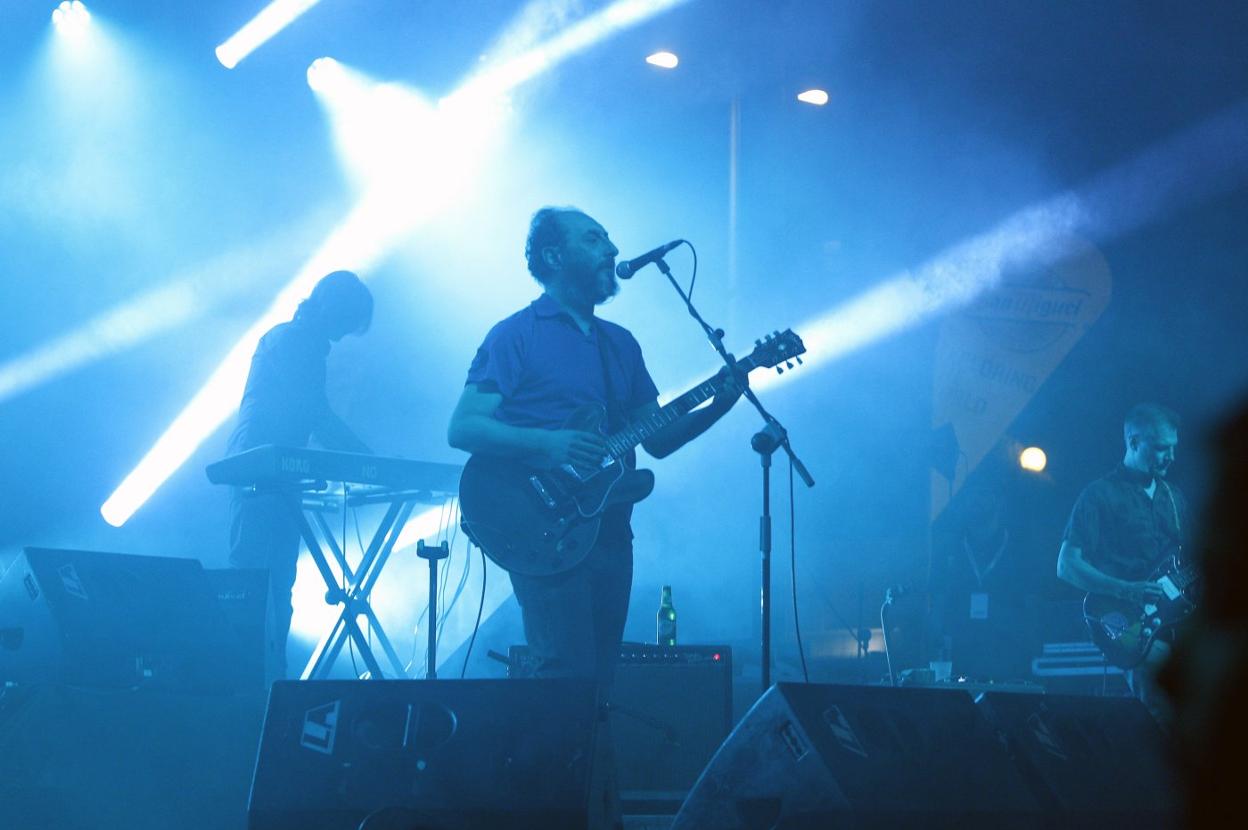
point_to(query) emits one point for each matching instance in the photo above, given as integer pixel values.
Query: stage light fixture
(818, 97)
(323, 73)
(1033, 459)
(663, 60)
(272, 19)
(71, 16)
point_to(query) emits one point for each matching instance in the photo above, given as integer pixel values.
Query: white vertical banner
(993, 354)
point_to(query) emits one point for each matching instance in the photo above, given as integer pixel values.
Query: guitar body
(1125, 631)
(541, 522)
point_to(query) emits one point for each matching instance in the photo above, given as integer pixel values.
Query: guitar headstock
(780, 347)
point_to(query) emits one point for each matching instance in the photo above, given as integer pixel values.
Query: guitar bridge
(542, 492)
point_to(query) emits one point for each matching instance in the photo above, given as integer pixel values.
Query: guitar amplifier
(671, 708)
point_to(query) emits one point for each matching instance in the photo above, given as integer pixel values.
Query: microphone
(625, 270)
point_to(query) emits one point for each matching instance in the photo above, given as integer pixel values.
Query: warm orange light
(1033, 459)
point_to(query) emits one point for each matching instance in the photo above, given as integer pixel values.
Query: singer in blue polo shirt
(531, 372)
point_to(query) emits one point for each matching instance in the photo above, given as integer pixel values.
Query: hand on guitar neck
(732, 385)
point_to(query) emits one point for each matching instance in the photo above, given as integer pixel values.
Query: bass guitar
(1125, 630)
(540, 522)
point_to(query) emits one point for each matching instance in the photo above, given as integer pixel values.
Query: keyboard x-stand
(400, 484)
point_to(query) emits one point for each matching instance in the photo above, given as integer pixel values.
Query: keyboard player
(285, 402)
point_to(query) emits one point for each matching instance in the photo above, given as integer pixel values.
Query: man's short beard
(613, 288)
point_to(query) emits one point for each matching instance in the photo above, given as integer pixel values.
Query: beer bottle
(666, 619)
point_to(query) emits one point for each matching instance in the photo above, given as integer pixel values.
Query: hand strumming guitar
(576, 447)
(1141, 593)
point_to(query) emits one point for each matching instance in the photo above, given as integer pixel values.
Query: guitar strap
(1174, 506)
(617, 419)
(615, 407)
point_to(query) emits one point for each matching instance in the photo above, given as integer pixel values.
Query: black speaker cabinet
(1090, 761)
(73, 758)
(341, 755)
(113, 620)
(243, 596)
(671, 708)
(817, 756)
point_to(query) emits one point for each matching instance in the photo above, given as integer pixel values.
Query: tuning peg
(788, 364)
(799, 361)
(758, 342)
(779, 370)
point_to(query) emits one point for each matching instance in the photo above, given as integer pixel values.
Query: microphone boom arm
(716, 336)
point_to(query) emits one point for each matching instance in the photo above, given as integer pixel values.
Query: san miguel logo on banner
(993, 355)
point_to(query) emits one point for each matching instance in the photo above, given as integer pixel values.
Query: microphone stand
(773, 436)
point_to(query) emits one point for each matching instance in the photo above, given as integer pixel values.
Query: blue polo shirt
(545, 367)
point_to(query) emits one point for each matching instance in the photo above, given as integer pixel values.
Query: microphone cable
(694, 278)
(797, 626)
(888, 654)
(480, 608)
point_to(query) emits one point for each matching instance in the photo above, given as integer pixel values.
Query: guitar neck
(625, 440)
(771, 351)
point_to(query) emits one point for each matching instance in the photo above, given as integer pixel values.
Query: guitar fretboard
(620, 443)
(777, 349)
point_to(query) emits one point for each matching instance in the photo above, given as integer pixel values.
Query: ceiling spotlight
(813, 96)
(70, 16)
(322, 73)
(1033, 460)
(663, 60)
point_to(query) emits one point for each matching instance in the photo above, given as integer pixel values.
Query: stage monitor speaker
(1093, 761)
(113, 620)
(817, 756)
(671, 708)
(430, 755)
(73, 758)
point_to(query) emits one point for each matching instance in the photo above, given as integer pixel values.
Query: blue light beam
(370, 231)
(1192, 166)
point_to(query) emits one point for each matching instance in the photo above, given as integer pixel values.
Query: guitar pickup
(542, 492)
(604, 463)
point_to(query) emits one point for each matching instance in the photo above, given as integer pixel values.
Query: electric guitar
(538, 521)
(1125, 630)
